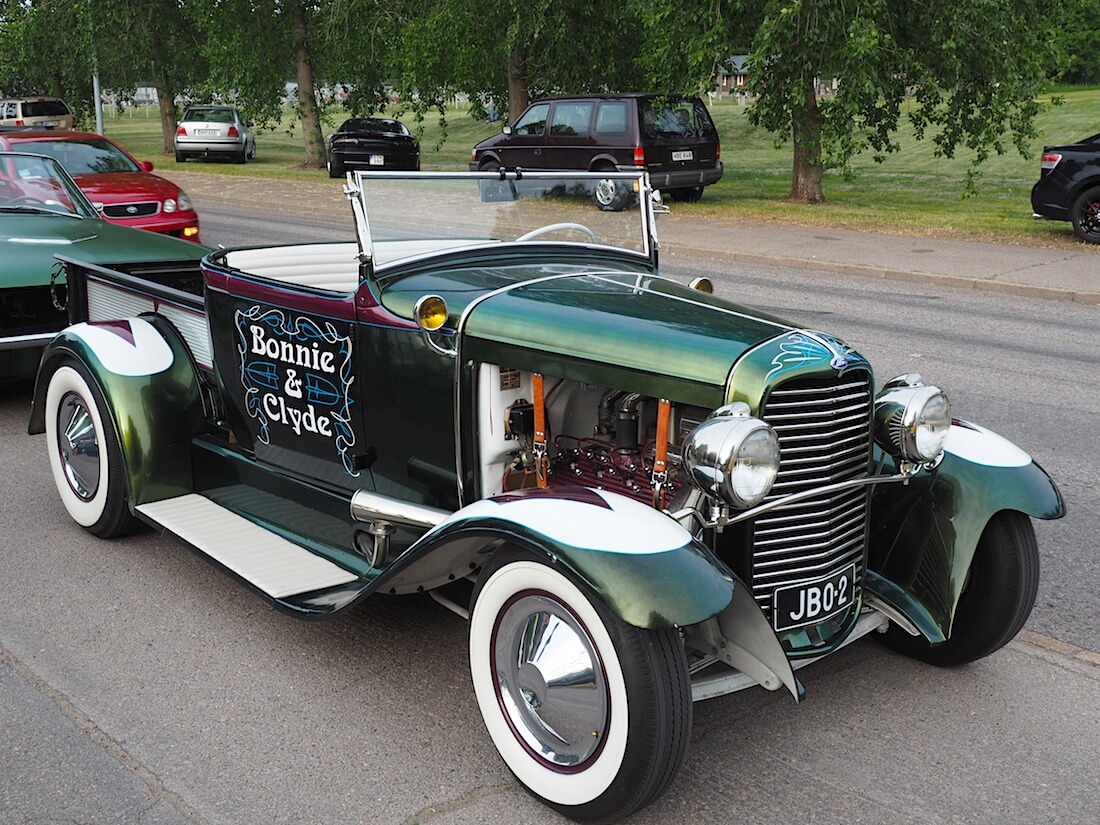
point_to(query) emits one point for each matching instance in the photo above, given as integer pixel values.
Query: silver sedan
(209, 131)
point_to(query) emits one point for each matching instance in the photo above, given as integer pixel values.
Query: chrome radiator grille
(824, 437)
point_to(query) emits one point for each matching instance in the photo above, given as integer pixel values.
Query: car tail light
(718, 151)
(20, 123)
(181, 132)
(1050, 160)
(639, 156)
(232, 132)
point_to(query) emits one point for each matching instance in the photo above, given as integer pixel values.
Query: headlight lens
(184, 201)
(733, 456)
(169, 205)
(912, 419)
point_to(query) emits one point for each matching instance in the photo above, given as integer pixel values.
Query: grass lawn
(911, 192)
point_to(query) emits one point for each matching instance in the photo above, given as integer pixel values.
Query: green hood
(29, 243)
(636, 332)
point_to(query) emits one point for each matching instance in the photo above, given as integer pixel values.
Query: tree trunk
(518, 93)
(808, 169)
(166, 102)
(307, 95)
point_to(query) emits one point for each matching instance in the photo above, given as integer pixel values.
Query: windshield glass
(85, 157)
(31, 183)
(416, 213)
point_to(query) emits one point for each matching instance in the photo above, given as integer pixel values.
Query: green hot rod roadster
(639, 494)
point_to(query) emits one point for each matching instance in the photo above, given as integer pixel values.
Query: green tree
(35, 58)
(514, 49)
(966, 74)
(160, 48)
(1079, 38)
(252, 48)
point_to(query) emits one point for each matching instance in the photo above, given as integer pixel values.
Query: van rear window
(672, 118)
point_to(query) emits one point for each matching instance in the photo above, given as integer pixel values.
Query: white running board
(276, 566)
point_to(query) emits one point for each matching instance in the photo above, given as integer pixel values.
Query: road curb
(1080, 654)
(1088, 298)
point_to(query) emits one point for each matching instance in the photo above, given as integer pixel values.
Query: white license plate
(377, 160)
(687, 155)
(206, 132)
(48, 123)
(813, 601)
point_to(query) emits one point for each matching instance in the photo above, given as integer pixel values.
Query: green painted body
(156, 416)
(624, 329)
(30, 242)
(924, 534)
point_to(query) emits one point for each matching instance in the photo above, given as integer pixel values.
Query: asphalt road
(138, 684)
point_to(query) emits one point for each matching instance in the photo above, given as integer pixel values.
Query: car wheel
(612, 195)
(335, 168)
(996, 599)
(84, 454)
(241, 156)
(591, 715)
(180, 157)
(689, 195)
(1086, 216)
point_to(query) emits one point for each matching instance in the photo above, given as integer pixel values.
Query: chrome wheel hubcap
(550, 681)
(78, 446)
(605, 191)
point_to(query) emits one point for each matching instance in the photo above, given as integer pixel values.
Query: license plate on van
(377, 160)
(685, 155)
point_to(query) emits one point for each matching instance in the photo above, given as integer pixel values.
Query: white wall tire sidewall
(559, 788)
(66, 380)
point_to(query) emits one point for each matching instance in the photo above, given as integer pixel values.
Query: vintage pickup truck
(640, 494)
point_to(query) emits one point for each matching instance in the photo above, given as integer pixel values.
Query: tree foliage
(36, 59)
(965, 74)
(515, 49)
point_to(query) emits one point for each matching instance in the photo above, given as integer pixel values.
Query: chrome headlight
(184, 201)
(912, 419)
(733, 456)
(169, 205)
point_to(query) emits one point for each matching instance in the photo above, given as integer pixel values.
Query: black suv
(1069, 187)
(671, 137)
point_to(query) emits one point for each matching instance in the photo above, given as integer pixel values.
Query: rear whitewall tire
(99, 500)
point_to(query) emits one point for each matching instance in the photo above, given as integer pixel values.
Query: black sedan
(1069, 187)
(373, 143)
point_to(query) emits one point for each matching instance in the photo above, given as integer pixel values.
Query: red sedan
(122, 189)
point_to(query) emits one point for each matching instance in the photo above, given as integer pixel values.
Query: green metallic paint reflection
(90, 239)
(904, 602)
(155, 416)
(675, 588)
(924, 533)
(756, 373)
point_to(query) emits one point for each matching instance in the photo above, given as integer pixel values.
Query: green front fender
(924, 534)
(151, 387)
(647, 569)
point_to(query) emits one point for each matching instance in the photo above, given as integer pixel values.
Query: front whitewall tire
(591, 714)
(555, 786)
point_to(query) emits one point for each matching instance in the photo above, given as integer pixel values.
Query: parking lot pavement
(1066, 270)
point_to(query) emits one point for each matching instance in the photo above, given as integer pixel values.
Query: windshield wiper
(38, 210)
